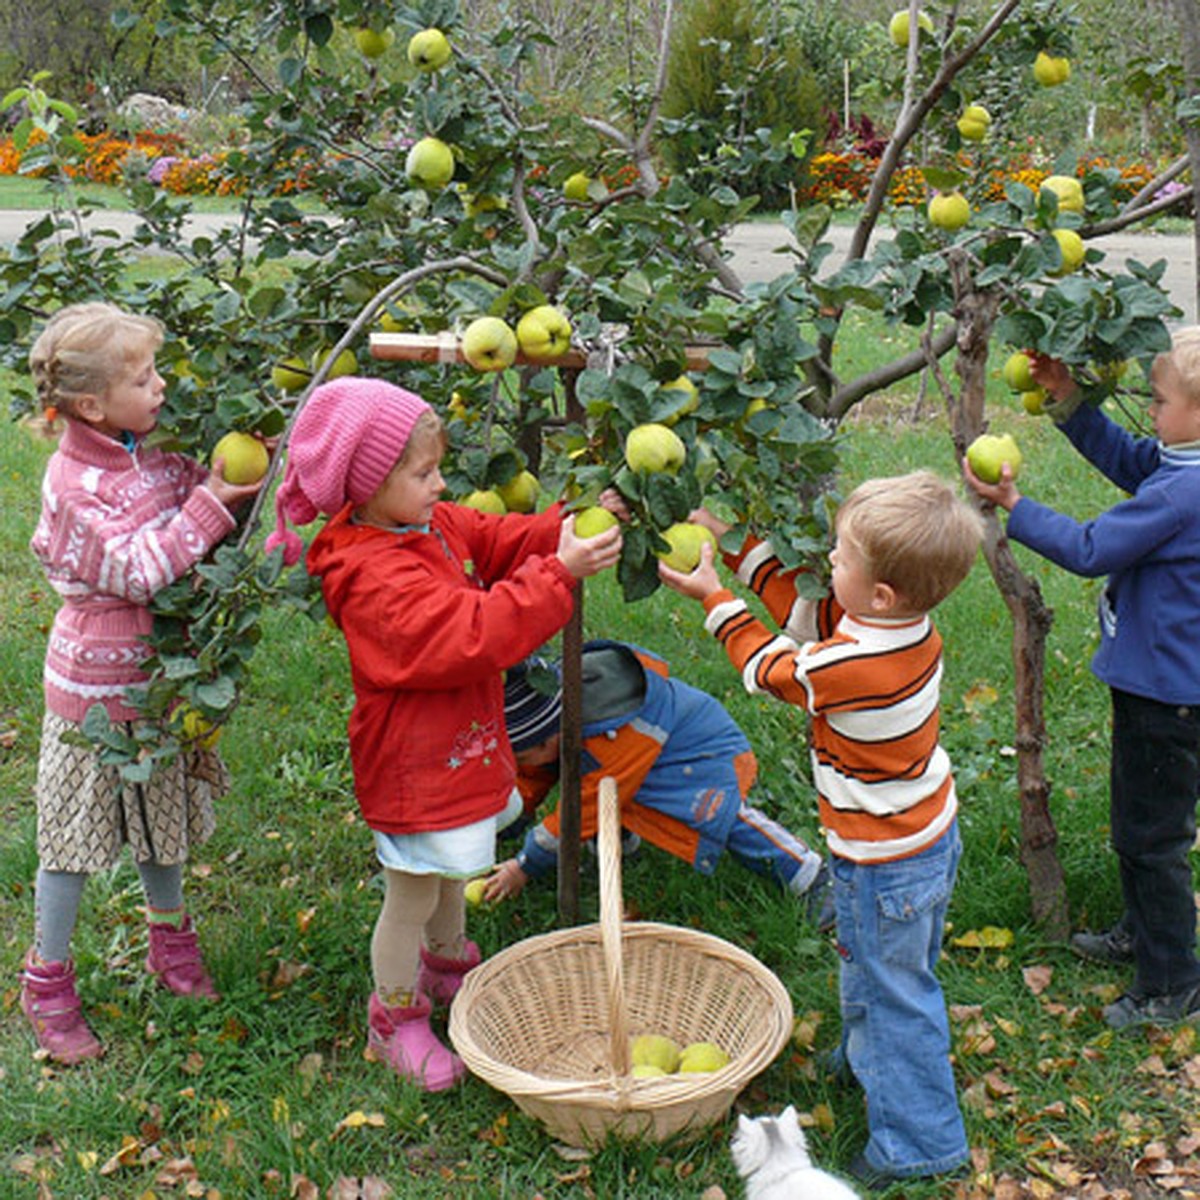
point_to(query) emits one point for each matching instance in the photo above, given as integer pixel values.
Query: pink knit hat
(346, 439)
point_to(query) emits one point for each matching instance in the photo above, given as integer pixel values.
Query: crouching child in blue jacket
(682, 766)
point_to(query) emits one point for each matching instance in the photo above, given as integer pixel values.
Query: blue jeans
(895, 1031)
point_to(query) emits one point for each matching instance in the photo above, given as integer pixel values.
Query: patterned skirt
(87, 812)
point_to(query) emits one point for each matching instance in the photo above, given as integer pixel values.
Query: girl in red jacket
(435, 601)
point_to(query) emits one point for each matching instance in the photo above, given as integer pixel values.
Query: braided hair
(81, 352)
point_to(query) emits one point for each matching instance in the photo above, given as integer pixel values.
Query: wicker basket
(549, 1020)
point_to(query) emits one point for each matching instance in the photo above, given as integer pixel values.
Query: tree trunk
(976, 313)
(1187, 13)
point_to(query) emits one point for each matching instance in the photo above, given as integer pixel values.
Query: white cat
(771, 1155)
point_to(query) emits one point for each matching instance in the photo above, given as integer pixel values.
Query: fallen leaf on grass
(990, 937)
(125, 1157)
(1037, 979)
(358, 1119)
(369, 1187)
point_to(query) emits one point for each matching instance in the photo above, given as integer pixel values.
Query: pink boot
(402, 1038)
(49, 1000)
(175, 958)
(440, 978)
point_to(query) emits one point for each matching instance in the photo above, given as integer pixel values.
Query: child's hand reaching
(507, 881)
(1004, 494)
(612, 500)
(717, 527)
(232, 495)
(588, 556)
(700, 584)
(1051, 374)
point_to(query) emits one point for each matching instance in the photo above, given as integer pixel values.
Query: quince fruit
(1068, 189)
(520, 493)
(701, 1057)
(543, 334)
(655, 1050)
(1071, 246)
(653, 447)
(429, 50)
(485, 500)
(575, 187)
(373, 43)
(430, 163)
(949, 211)
(1050, 70)
(592, 521)
(974, 122)
(1018, 372)
(291, 374)
(246, 458)
(685, 540)
(988, 453)
(489, 344)
(898, 26)
(691, 397)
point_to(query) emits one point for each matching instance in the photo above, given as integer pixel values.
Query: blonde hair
(82, 351)
(914, 533)
(1184, 357)
(428, 432)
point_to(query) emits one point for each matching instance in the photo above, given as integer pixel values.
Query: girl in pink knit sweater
(120, 520)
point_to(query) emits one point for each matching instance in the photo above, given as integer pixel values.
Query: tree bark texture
(976, 313)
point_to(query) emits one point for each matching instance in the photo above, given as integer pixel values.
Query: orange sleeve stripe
(866, 827)
(905, 757)
(891, 678)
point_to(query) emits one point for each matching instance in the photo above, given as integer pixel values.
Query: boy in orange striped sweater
(865, 663)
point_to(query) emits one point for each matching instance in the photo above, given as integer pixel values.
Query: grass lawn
(268, 1088)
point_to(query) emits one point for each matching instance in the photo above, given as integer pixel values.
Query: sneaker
(818, 901)
(873, 1178)
(1111, 947)
(1132, 1010)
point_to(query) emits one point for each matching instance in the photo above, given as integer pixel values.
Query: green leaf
(218, 695)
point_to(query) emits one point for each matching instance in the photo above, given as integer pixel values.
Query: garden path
(753, 248)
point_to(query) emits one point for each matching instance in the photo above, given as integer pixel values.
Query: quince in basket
(654, 1050)
(702, 1056)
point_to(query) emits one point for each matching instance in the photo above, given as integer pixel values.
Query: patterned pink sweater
(117, 525)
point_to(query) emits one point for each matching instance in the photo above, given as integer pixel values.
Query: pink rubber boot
(440, 978)
(402, 1038)
(49, 1000)
(174, 958)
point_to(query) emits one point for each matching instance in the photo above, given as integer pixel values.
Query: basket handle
(611, 916)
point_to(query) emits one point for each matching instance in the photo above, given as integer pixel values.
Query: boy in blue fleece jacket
(1149, 547)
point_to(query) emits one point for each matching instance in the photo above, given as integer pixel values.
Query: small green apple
(592, 521)
(246, 458)
(1071, 246)
(988, 453)
(690, 394)
(1018, 372)
(575, 187)
(653, 447)
(543, 334)
(974, 122)
(430, 163)
(1033, 400)
(1050, 70)
(1068, 189)
(484, 500)
(520, 493)
(685, 539)
(346, 363)
(429, 50)
(291, 374)
(489, 344)
(949, 211)
(898, 26)
(702, 1057)
(373, 43)
(655, 1050)
(648, 1071)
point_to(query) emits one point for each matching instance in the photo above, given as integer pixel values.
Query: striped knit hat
(347, 438)
(530, 714)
